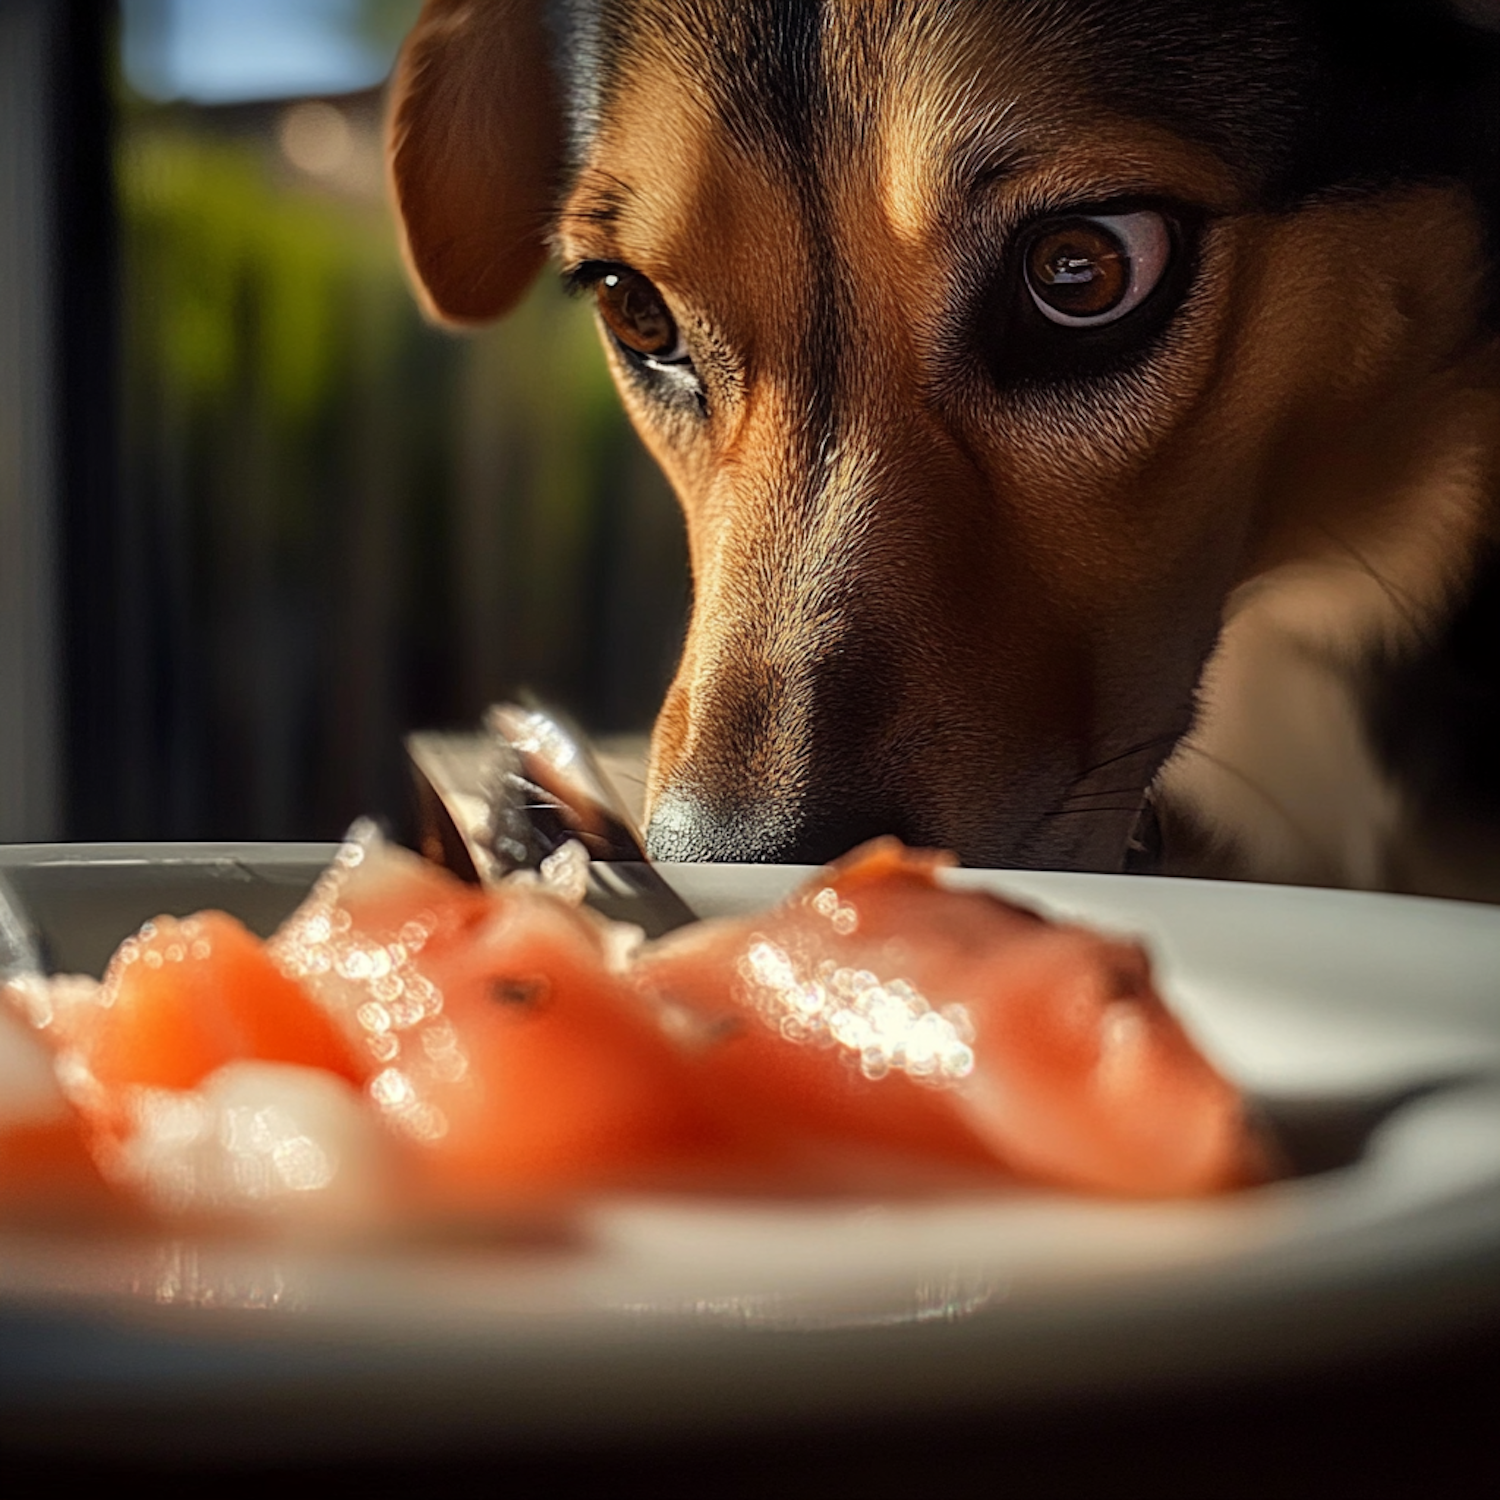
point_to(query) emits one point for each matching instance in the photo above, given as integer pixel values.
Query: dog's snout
(768, 756)
(687, 826)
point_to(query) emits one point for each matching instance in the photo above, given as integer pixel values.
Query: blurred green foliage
(343, 524)
(209, 234)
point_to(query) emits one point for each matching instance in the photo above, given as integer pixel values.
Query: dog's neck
(1348, 730)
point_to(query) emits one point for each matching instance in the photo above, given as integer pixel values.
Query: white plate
(692, 1316)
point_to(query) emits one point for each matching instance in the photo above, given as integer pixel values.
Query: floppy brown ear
(476, 149)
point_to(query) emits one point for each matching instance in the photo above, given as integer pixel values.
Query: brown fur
(990, 620)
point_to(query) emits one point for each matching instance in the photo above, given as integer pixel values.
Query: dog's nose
(687, 827)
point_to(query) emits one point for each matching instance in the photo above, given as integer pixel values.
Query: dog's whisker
(1145, 747)
(1119, 807)
(1118, 789)
(1130, 789)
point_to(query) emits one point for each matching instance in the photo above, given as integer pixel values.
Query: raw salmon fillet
(876, 1007)
(407, 1040)
(180, 999)
(502, 1044)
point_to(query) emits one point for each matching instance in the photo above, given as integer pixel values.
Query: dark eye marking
(1086, 292)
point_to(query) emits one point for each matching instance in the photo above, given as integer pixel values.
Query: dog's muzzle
(689, 828)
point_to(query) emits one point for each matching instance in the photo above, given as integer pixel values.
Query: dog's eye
(634, 312)
(1085, 272)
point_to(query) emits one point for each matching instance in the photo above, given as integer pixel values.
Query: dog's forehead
(793, 80)
(713, 134)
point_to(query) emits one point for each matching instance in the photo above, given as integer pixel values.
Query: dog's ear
(476, 149)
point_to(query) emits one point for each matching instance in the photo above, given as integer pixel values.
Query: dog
(1086, 416)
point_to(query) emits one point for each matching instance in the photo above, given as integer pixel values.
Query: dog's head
(993, 349)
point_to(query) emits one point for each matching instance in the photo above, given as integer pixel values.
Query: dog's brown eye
(1080, 270)
(637, 316)
(1086, 271)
